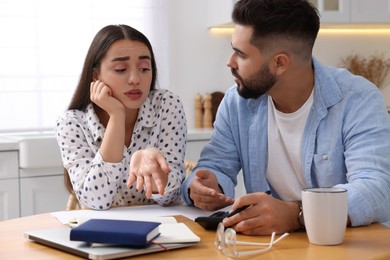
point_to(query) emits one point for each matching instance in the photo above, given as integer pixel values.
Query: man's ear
(281, 62)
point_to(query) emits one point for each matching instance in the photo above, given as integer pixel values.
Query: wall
(198, 57)
(330, 48)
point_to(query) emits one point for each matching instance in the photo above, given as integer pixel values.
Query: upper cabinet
(333, 12)
(353, 11)
(370, 11)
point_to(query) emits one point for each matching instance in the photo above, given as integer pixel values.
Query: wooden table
(369, 242)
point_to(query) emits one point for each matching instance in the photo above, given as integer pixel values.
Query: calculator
(211, 222)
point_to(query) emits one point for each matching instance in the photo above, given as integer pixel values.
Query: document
(145, 212)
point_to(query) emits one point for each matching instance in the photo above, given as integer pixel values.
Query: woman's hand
(149, 169)
(102, 96)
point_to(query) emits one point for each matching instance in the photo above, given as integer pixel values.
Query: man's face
(250, 69)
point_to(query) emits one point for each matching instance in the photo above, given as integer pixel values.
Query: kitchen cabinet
(370, 11)
(9, 185)
(31, 176)
(43, 194)
(353, 11)
(196, 140)
(332, 12)
(41, 176)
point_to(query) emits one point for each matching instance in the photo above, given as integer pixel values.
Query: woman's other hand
(149, 169)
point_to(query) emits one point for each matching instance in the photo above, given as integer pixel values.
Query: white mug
(325, 213)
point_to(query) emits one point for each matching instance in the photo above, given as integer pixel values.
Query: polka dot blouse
(98, 184)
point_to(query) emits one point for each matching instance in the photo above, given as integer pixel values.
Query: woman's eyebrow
(144, 57)
(125, 58)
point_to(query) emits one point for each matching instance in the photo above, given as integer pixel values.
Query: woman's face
(127, 71)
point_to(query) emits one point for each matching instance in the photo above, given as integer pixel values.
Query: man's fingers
(202, 174)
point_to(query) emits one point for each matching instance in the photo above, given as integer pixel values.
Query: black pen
(234, 212)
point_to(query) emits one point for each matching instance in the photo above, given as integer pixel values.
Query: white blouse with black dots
(98, 184)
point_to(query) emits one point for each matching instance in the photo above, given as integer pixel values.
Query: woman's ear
(94, 75)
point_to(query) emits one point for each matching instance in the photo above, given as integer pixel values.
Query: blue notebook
(116, 232)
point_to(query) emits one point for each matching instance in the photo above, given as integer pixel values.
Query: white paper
(175, 233)
(146, 212)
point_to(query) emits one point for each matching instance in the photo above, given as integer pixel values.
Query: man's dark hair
(275, 20)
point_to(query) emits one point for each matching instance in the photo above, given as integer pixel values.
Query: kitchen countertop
(10, 142)
(8, 145)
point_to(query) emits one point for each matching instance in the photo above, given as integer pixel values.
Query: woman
(122, 140)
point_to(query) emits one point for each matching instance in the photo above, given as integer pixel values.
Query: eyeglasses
(226, 242)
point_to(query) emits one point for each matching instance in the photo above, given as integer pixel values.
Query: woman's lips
(134, 94)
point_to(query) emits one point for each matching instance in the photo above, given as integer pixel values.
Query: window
(42, 50)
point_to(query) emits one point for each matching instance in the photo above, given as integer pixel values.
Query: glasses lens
(230, 243)
(219, 236)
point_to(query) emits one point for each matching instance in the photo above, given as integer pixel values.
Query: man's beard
(258, 84)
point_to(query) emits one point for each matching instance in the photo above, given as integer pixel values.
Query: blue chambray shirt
(346, 143)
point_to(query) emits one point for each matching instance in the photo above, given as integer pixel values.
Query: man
(290, 123)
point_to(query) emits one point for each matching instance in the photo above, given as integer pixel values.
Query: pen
(234, 212)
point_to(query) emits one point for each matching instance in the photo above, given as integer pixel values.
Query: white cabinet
(31, 177)
(370, 11)
(43, 194)
(9, 199)
(196, 140)
(332, 12)
(9, 185)
(41, 176)
(353, 11)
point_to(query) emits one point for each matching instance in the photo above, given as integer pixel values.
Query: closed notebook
(116, 232)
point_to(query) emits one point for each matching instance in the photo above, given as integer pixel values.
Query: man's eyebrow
(238, 50)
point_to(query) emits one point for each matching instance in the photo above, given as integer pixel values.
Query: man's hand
(265, 215)
(150, 170)
(206, 193)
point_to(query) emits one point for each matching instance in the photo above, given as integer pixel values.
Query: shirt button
(325, 157)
